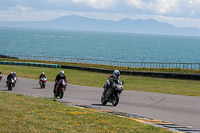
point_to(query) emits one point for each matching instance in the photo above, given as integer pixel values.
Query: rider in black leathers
(58, 77)
(112, 78)
(9, 77)
(42, 75)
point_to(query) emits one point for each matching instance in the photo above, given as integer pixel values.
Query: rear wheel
(103, 100)
(43, 85)
(115, 99)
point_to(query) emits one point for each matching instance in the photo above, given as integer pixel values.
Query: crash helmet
(43, 73)
(14, 72)
(116, 73)
(11, 73)
(62, 73)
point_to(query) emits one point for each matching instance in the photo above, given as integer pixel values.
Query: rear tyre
(43, 85)
(103, 100)
(115, 99)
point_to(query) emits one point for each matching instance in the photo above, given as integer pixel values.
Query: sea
(129, 47)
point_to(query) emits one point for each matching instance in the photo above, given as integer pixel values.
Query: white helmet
(42, 72)
(62, 73)
(14, 72)
(116, 73)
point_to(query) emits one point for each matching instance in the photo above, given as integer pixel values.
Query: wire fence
(115, 63)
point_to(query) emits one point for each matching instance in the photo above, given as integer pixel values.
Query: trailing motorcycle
(112, 94)
(1, 77)
(42, 82)
(60, 88)
(10, 84)
(15, 80)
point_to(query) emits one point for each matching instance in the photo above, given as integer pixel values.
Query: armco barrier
(30, 64)
(139, 73)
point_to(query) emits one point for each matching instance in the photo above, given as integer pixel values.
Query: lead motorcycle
(10, 84)
(42, 82)
(112, 94)
(61, 87)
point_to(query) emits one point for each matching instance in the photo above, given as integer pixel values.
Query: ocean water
(100, 45)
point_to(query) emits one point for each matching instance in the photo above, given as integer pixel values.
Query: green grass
(26, 114)
(173, 70)
(138, 83)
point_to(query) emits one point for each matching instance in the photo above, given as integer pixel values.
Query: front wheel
(61, 93)
(9, 87)
(115, 99)
(103, 100)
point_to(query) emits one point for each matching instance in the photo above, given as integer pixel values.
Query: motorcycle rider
(58, 77)
(14, 75)
(9, 78)
(112, 78)
(42, 76)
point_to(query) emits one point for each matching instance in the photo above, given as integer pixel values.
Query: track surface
(181, 110)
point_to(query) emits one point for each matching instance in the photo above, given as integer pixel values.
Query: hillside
(149, 26)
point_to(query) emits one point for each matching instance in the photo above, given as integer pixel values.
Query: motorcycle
(42, 82)
(1, 77)
(112, 94)
(60, 88)
(15, 81)
(10, 84)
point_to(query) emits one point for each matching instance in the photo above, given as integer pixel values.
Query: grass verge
(20, 113)
(137, 83)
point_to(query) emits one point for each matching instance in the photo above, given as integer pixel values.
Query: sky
(180, 13)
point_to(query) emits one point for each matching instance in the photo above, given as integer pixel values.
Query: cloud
(156, 6)
(140, 4)
(21, 13)
(96, 4)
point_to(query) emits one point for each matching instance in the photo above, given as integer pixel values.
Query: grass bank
(20, 113)
(173, 70)
(137, 83)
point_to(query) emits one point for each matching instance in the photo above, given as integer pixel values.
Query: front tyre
(9, 87)
(103, 100)
(61, 93)
(115, 99)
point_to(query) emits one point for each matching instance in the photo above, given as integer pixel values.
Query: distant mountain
(149, 26)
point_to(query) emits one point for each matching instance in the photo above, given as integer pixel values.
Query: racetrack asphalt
(177, 109)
